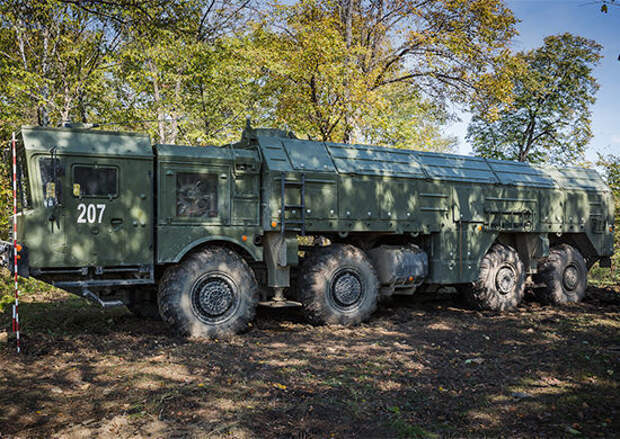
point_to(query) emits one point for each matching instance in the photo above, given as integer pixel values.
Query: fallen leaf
(572, 431)
(521, 395)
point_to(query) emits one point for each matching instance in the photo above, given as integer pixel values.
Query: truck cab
(86, 213)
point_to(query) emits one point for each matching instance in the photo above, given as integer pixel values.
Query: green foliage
(7, 289)
(54, 58)
(610, 166)
(605, 5)
(190, 71)
(193, 84)
(405, 429)
(358, 71)
(123, 62)
(549, 117)
(401, 119)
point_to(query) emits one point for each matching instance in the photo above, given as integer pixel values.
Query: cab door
(109, 211)
(43, 228)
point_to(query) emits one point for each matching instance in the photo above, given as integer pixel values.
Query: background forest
(387, 72)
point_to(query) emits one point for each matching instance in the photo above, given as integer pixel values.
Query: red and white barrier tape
(16, 305)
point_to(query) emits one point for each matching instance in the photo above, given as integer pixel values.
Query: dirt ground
(420, 368)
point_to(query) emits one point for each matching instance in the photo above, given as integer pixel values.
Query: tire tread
(312, 278)
(175, 281)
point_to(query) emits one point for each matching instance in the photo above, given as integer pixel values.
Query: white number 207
(91, 213)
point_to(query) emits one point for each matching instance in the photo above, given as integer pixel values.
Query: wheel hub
(213, 297)
(505, 279)
(570, 277)
(347, 289)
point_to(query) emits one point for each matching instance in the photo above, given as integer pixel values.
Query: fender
(254, 251)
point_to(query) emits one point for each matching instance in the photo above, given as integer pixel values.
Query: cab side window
(90, 181)
(196, 195)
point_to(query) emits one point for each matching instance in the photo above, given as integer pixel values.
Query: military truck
(202, 235)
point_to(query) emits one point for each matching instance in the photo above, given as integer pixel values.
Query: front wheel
(563, 275)
(501, 282)
(338, 285)
(212, 293)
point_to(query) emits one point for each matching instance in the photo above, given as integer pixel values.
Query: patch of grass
(406, 430)
(136, 410)
(59, 314)
(332, 382)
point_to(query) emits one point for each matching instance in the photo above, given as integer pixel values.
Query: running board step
(280, 304)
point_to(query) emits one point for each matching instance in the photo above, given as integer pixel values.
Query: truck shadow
(417, 368)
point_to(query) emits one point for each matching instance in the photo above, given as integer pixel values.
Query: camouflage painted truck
(202, 235)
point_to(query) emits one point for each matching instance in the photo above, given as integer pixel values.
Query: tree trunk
(347, 7)
(378, 34)
(174, 130)
(65, 111)
(42, 110)
(205, 118)
(161, 119)
(525, 147)
(82, 107)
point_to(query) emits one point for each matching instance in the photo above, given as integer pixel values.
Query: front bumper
(7, 259)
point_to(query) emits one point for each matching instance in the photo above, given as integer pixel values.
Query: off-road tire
(501, 282)
(142, 302)
(211, 293)
(337, 284)
(564, 275)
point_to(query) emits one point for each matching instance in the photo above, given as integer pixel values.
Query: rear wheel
(564, 276)
(338, 285)
(212, 293)
(501, 282)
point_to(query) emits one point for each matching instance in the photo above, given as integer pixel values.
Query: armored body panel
(461, 204)
(206, 195)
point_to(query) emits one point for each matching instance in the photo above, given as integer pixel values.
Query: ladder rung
(293, 206)
(287, 222)
(293, 183)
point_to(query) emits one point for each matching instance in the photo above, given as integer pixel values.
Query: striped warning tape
(15, 256)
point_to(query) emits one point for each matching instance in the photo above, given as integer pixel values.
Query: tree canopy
(354, 70)
(368, 71)
(190, 71)
(548, 119)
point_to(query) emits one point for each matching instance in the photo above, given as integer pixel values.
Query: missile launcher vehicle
(202, 235)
